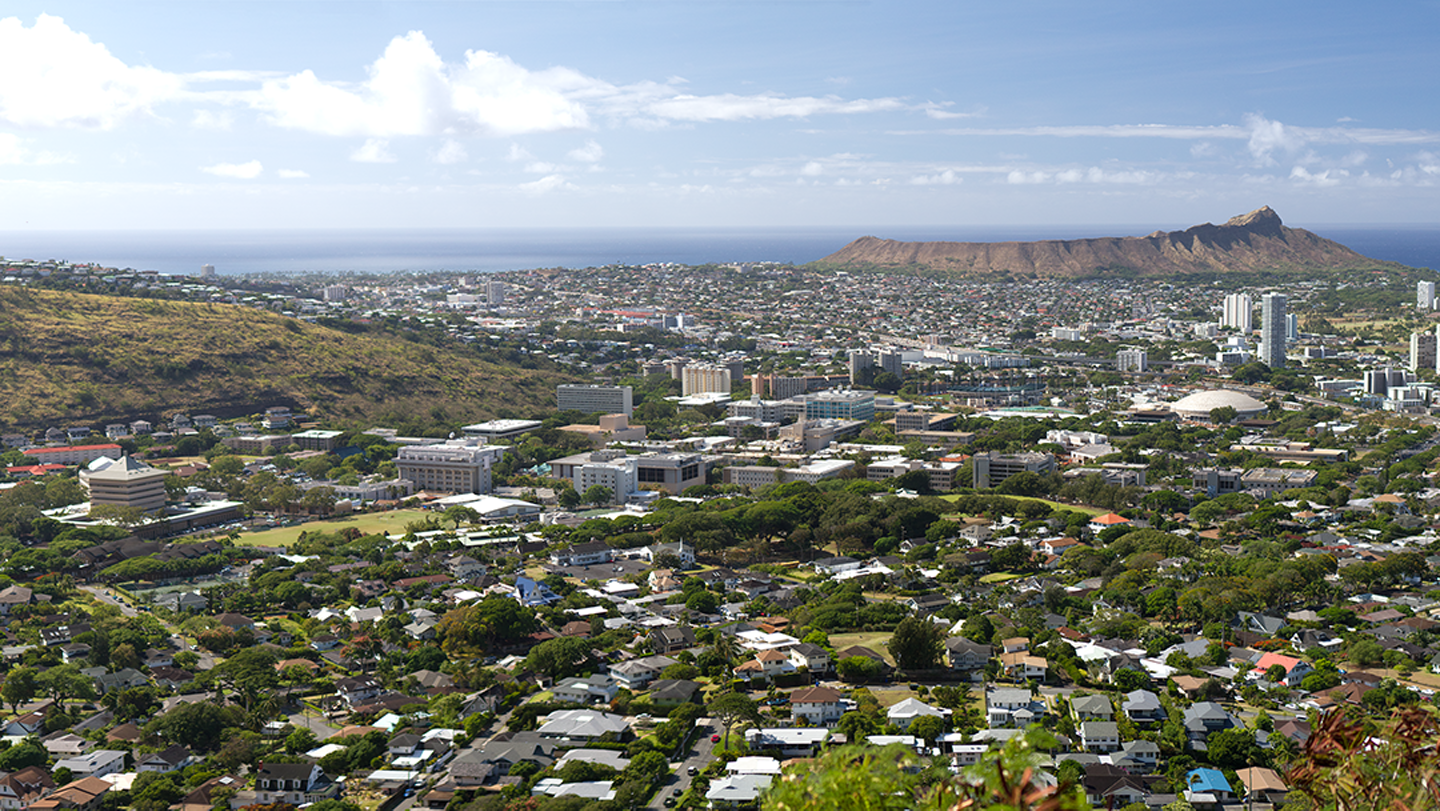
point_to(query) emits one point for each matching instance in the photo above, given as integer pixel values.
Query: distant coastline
(491, 250)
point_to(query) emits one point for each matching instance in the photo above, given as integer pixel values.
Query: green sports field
(367, 523)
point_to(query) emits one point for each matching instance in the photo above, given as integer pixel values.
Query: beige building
(126, 482)
(704, 378)
(456, 466)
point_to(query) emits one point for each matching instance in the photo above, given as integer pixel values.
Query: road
(700, 755)
(105, 596)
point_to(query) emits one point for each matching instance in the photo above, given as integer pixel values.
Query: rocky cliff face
(1250, 242)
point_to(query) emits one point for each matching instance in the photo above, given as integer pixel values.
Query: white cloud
(812, 169)
(546, 184)
(1018, 177)
(14, 151)
(941, 113)
(56, 77)
(412, 91)
(374, 150)
(1267, 136)
(945, 178)
(209, 120)
(732, 107)
(242, 171)
(1329, 177)
(591, 152)
(518, 153)
(293, 174)
(540, 168)
(450, 152)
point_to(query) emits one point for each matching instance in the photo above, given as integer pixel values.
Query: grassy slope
(367, 523)
(68, 357)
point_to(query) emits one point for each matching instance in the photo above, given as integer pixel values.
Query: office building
(125, 482)
(592, 399)
(1238, 312)
(616, 473)
(1132, 360)
(994, 467)
(1067, 334)
(456, 466)
(672, 472)
(860, 360)
(1422, 350)
(317, 440)
(496, 430)
(840, 404)
(1425, 295)
(1272, 330)
(72, 454)
(704, 378)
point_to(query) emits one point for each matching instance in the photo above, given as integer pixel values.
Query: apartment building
(1266, 480)
(705, 378)
(590, 399)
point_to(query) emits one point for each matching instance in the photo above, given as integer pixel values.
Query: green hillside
(68, 357)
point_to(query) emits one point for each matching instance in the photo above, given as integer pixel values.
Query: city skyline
(364, 115)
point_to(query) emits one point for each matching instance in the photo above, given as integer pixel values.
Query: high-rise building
(1132, 360)
(208, 272)
(1272, 330)
(1425, 295)
(1238, 312)
(1292, 327)
(704, 378)
(1422, 350)
(860, 360)
(589, 399)
(889, 360)
(494, 293)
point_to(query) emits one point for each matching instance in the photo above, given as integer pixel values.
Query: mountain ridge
(68, 357)
(1255, 241)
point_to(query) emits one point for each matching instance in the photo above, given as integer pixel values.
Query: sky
(207, 114)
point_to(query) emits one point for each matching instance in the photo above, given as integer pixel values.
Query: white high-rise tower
(1425, 295)
(1237, 314)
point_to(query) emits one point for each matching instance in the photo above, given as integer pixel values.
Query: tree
(703, 602)
(200, 726)
(559, 657)
(859, 669)
(20, 688)
(928, 727)
(599, 495)
(63, 682)
(917, 644)
(732, 708)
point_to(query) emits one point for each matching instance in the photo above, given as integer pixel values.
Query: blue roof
(1208, 780)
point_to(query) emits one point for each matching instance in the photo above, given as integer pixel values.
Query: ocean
(489, 250)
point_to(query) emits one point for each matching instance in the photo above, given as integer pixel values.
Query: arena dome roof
(1201, 403)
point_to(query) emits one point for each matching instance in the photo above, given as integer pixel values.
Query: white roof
(914, 708)
(753, 765)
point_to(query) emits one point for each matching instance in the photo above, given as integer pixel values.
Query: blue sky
(452, 114)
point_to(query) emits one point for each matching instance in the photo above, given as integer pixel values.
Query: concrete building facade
(589, 399)
(456, 466)
(1272, 330)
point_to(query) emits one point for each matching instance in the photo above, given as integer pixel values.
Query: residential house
(1208, 787)
(1091, 708)
(583, 725)
(1110, 786)
(927, 604)
(634, 674)
(1100, 736)
(1295, 669)
(1263, 785)
(904, 713)
(1143, 707)
(672, 638)
(586, 690)
(819, 705)
(1204, 717)
(811, 657)
(766, 665)
(97, 763)
(356, 690)
(673, 692)
(967, 656)
(293, 783)
(1024, 666)
(1011, 707)
(171, 759)
(20, 788)
(78, 795)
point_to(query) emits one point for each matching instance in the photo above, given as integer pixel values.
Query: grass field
(874, 640)
(1054, 504)
(368, 523)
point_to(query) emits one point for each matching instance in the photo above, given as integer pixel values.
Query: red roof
(1110, 519)
(38, 451)
(34, 470)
